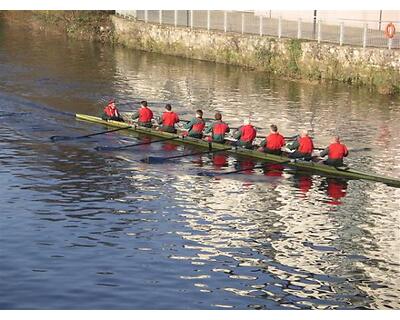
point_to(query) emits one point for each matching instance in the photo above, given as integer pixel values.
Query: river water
(83, 229)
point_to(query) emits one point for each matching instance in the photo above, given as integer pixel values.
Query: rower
(245, 135)
(144, 115)
(336, 151)
(273, 142)
(218, 129)
(111, 112)
(303, 147)
(169, 119)
(196, 126)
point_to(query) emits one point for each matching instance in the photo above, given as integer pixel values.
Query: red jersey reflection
(336, 189)
(303, 183)
(246, 165)
(219, 160)
(273, 170)
(169, 146)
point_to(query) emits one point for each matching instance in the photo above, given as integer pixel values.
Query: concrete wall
(379, 69)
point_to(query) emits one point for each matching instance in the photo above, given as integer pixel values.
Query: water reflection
(96, 229)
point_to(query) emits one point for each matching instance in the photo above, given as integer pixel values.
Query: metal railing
(342, 32)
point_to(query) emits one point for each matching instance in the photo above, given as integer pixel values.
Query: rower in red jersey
(169, 119)
(111, 112)
(218, 129)
(245, 135)
(335, 152)
(303, 147)
(144, 115)
(196, 126)
(273, 142)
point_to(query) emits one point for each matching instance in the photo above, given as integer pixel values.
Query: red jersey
(248, 133)
(337, 151)
(145, 114)
(274, 141)
(111, 112)
(169, 119)
(198, 126)
(220, 128)
(306, 145)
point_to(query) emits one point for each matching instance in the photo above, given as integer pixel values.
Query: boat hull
(253, 154)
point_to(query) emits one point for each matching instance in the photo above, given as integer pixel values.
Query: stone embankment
(378, 69)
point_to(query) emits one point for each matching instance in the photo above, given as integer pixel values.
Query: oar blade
(61, 138)
(154, 160)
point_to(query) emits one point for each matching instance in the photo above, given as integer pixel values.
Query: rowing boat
(253, 154)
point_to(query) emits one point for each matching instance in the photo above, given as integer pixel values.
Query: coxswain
(144, 115)
(273, 142)
(169, 119)
(111, 112)
(196, 126)
(245, 135)
(218, 129)
(335, 152)
(303, 147)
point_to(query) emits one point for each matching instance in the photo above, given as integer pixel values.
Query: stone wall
(379, 69)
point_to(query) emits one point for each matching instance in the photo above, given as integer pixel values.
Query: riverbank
(306, 61)
(81, 25)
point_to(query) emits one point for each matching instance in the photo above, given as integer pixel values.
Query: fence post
(299, 29)
(261, 25)
(280, 27)
(225, 21)
(319, 36)
(191, 19)
(390, 42)
(160, 16)
(146, 16)
(176, 18)
(208, 20)
(341, 36)
(242, 22)
(365, 35)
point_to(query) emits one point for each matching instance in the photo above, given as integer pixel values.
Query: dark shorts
(246, 145)
(145, 124)
(277, 152)
(334, 162)
(168, 129)
(195, 135)
(299, 155)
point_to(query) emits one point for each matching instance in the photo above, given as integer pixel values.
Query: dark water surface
(100, 230)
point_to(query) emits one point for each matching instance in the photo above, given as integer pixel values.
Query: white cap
(246, 121)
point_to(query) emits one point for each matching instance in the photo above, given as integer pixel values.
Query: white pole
(160, 16)
(225, 21)
(299, 29)
(365, 35)
(146, 16)
(261, 25)
(191, 19)
(176, 18)
(319, 30)
(341, 37)
(208, 19)
(242, 22)
(280, 27)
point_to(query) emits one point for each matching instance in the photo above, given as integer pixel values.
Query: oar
(108, 148)
(164, 159)
(56, 138)
(350, 150)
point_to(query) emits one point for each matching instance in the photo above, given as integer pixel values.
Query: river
(85, 229)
